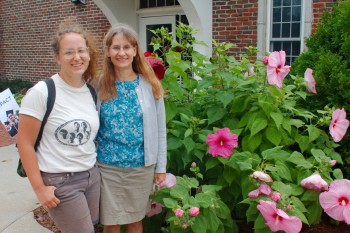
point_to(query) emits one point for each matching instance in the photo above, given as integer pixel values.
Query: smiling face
(121, 52)
(73, 56)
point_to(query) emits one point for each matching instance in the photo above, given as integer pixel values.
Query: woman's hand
(46, 197)
(159, 178)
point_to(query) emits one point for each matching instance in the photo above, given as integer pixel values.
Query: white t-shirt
(67, 143)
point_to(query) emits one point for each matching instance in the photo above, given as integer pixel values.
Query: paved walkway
(17, 199)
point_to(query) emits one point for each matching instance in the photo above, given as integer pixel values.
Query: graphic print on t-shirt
(73, 133)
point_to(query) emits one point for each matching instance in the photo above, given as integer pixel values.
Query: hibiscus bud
(194, 211)
(184, 226)
(314, 182)
(289, 207)
(265, 189)
(276, 196)
(179, 213)
(178, 49)
(254, 194)
(333, 162)
(265, 60)
(261, 176)
(193, 164)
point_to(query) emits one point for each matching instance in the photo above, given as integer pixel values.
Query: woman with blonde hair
(63, 175)
(131, 149)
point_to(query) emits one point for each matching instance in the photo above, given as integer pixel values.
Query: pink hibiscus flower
(222, 142)
(158, 67)
(276, 70)
(156, 208)
(311, 83)
(336, 201)
(314, 182)
(339, 124)
(277, 219)
(169, 182)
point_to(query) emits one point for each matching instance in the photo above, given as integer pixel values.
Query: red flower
(157, 66)
(147, 54)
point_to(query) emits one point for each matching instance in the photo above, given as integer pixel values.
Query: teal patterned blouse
(120, 137)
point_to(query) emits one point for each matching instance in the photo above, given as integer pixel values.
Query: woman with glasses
(131, 149)
(63, 175)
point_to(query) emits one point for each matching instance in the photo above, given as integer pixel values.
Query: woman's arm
(28, 129)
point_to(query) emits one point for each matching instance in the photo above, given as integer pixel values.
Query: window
(286, 27)
(157, 3)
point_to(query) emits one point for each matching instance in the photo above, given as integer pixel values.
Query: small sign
(9, 110)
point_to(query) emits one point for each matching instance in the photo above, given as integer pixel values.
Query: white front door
(152, 23)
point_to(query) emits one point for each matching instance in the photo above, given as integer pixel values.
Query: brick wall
(5, 138)
(319, 6)
(26, 30)
(235, 21)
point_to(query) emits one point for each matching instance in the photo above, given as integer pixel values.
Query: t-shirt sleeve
(35, 101)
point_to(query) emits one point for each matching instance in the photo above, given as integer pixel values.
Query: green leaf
(212, 220)
(173, 143)
(170, 110)
(169, 202)
(280, 187)
(273, 135)
(254, 142)
(229, 174)
(314, 133)
(295, 122)
(212, 162)
(200, 224)
(278, 118)
(189, 144)
(178, 192)
(188, 132)
(215, 114)
(258, 125)
(283, 171)
(298, 159)
(239, 104)
(225, 97)
(303, 142)
(338, 174)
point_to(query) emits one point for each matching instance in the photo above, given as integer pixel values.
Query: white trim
(106, 11)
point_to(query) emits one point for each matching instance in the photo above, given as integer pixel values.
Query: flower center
(277, 218)
(343, 201)
(278, 69)
(221, 142)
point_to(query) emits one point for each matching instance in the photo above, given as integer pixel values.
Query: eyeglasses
(70, 53)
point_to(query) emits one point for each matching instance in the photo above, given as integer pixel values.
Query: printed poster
(9, 110)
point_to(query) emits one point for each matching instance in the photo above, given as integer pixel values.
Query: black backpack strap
(93, 92)
(49, 105)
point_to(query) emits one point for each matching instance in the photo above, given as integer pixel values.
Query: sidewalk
(17, 199)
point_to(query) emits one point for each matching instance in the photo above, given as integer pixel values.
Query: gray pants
(79, 193)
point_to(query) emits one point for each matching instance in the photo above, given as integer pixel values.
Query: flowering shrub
(241, 146)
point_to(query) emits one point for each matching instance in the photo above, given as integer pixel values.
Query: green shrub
(328, 55)
(15, 85)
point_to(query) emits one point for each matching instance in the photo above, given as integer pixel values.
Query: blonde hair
(71, 25)
(140, 65)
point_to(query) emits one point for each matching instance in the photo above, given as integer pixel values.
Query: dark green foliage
(15, 85)
(329, 56)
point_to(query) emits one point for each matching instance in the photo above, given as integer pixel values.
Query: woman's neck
(72, 81)
(125, 75)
